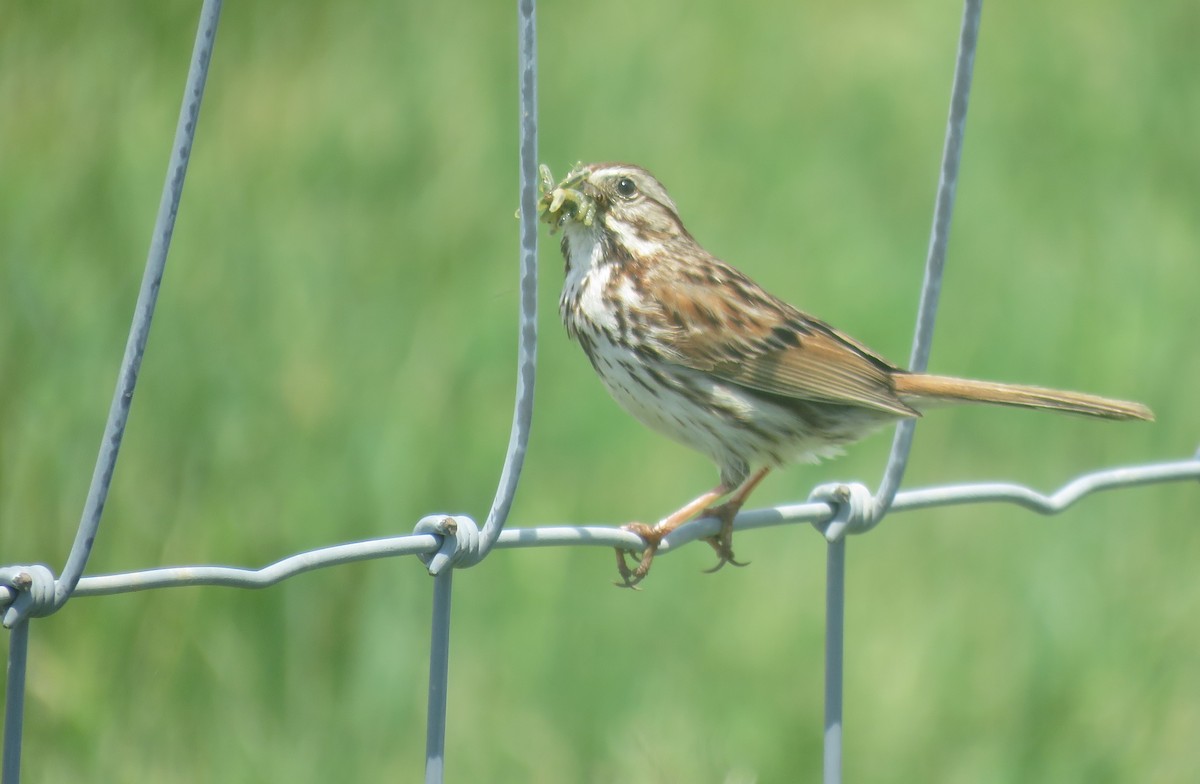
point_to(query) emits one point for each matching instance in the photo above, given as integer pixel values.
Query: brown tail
(946, 388)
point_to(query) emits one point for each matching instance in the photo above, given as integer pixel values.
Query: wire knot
(855, 509)
(461, 543)
(26, 592)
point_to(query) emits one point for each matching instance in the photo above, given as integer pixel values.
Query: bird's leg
(723, 541)
(655, 534)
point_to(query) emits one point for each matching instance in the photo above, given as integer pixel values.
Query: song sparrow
(699, 352)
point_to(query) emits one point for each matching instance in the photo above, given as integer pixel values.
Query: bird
(696, 350)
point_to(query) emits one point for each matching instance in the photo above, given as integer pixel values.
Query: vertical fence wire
(439, 645)
(14, 704)
(939, 235)
(439, 674)
(835, 581)
(118, 414)
(527, 339)
(135, 347)
(835, 615)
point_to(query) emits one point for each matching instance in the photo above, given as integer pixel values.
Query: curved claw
(722, 559)
(722, 543)
(631, 577)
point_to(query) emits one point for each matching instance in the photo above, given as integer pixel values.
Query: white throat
(584, 253)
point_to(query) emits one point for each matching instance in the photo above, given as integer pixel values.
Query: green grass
(334, 357)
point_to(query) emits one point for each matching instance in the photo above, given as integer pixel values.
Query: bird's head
(619, 198)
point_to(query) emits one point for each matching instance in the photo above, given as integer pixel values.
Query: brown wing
(721, 322)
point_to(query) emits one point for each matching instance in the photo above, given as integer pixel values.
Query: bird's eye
(626, 188)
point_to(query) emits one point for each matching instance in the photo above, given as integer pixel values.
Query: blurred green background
(334, 357)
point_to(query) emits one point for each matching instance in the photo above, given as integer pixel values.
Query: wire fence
(446, 542)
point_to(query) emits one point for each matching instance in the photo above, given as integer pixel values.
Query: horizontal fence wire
(815, 512)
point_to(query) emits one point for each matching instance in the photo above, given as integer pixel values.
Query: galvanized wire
(461, 544)
(527, 332)
(870, 510)
(939, 235)
(439, 676)
(118, 414)
(817, 513)
(14, 702)
(835, 645)
(143, 312)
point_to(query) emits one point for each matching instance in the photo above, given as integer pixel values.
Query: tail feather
(928, 388)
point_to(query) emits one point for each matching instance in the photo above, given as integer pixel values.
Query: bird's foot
(723, 541)
(631, 577)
